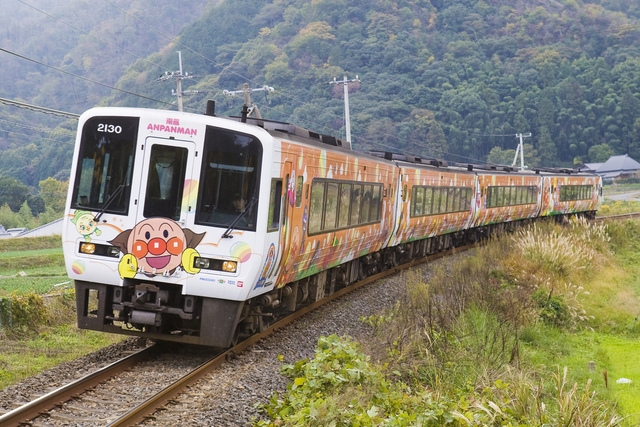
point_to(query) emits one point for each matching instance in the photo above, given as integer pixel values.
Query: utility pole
(179, 76)
(520, 149)
(248, 109)
(347, 119)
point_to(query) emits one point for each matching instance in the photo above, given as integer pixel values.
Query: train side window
(275, 205)
(330, 206)
(467, 205)
(459, 206)
(563, 193)
(417, 201)
(444, 197)
(376, 203)
(316, 205)
(345, 204)
(366, 204)
(299, 182)
(436, 200)
(428, 199)
(356, 197)
(453, 199)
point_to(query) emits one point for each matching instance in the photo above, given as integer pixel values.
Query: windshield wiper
(110, 200)
(227, 234)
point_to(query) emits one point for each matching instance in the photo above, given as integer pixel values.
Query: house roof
(620, 164)
(592, 166)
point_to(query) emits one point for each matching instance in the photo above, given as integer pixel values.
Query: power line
(33, 128)
(38, 109)
(83, 78)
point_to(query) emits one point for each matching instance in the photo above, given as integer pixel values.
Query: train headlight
(87, 248)
(99, 249)
(215, 264)
(230, 266)
(201, 263)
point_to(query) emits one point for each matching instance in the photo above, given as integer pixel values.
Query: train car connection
(203, 229)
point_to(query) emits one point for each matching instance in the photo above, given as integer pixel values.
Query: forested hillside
(440, 78)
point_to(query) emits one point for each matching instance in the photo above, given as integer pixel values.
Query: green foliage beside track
(501, 337)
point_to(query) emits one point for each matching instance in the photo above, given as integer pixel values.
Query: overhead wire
(81, 77)
(38, 109)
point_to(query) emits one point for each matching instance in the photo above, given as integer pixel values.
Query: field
(31, 265)
(38, 333)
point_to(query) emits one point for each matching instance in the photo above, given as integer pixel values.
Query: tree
(13, 192)
(54, 194)
(499, 156)
(600, 153)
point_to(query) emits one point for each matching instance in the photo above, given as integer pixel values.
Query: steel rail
(31, 410)
(151, 405)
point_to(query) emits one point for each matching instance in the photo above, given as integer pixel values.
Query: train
(203, 229)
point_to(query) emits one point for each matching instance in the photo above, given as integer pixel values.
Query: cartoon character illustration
(157, 246)
(85, 224)
(271, 255)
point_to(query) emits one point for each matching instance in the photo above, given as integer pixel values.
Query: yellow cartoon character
(85, 224)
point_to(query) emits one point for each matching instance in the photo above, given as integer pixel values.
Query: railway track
(84, 402)
(618, 217)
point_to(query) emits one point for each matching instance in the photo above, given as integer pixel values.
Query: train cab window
(275, 205)
(105, 164)
(165, 181)
(229, 181)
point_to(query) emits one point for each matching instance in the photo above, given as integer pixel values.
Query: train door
(167, 171)
(276, 230)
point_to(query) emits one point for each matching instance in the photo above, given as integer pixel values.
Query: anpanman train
(204, 229)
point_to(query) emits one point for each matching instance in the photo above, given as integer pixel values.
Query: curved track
(136, 411)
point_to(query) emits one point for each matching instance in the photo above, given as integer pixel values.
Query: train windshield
(230, 180)
(105, 164)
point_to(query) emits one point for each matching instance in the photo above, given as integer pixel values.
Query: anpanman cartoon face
(156, 246)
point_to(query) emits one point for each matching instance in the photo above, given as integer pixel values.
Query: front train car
(166, 223)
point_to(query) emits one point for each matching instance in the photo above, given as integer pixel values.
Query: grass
(31, 265)
(24, 357)
(623, 353)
